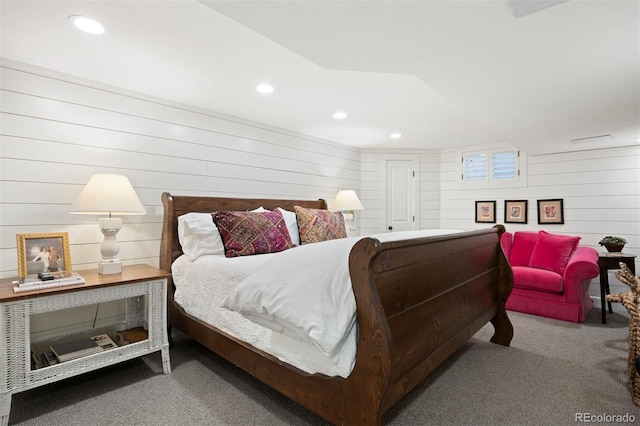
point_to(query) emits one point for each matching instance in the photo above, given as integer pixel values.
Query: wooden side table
(607, 262)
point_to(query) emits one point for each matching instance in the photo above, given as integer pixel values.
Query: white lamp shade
(347, 199)
(108, 194)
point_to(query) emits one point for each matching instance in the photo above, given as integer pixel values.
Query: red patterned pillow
(316, 225)
(246, 233)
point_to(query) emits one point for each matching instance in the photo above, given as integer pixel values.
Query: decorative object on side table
(44, 252)
(613, 244)
(113, 195)
(630, 301)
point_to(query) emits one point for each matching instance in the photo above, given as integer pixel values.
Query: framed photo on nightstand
(46, 252)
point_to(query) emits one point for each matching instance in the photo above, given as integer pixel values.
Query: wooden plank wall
(600, 189)
(58, 130)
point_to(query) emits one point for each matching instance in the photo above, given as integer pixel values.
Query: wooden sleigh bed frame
(418, 301)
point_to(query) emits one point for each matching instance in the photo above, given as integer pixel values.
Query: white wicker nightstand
(16, 373)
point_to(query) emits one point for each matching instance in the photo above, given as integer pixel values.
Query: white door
(401, 195)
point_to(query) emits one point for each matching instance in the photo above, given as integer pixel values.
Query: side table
(606, 262)
(142, 287)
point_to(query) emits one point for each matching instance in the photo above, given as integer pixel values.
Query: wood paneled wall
(58, 130)
(600, 189)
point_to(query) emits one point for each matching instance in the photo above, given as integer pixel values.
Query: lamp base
(110, 264)
(108, 268)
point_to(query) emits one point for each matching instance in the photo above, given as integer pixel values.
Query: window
(475, 167)
(491, 166)
(504, 165)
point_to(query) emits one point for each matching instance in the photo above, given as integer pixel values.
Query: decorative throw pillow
(552, 251)
(316, 225)
(247, 233)
(523, 244)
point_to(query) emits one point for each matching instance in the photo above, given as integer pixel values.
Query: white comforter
(304, 293)
(302, 296)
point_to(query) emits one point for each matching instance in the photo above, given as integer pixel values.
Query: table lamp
(113, 195)
(347, 202)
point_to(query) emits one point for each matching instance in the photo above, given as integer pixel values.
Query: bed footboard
(418, 301)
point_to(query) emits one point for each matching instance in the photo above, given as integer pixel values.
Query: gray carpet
(552, 371)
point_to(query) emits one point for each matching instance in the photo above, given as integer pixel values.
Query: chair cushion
(552, 251)
(523, 244)
(537, 279)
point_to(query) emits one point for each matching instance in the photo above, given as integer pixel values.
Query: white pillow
(198, 235)
(292, 225)
(260, 210)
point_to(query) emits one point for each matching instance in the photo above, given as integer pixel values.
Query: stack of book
(31, 283)
(75, 349)
(67, 351)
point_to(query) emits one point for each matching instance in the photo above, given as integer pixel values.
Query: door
(401, 195)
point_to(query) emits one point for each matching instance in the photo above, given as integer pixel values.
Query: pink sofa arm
(506, 241)
(583, 265)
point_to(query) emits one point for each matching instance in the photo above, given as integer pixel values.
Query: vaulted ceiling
(442, 73)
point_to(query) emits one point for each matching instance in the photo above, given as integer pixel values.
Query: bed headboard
(177, 205)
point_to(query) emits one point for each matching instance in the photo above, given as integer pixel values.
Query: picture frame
(485, 212)
(36, 252)
(551, 212)
(515, 211)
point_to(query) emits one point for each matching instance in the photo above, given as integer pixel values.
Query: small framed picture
(47, 252)
(515, 211)
(550, 211)
(485, 212)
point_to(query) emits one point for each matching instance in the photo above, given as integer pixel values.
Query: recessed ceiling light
(339, 115)
(264, 88)
(395, 135)
(86, 24)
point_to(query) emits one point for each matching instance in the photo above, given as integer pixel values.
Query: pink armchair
(551, 274)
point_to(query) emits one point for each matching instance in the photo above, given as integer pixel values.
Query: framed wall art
(485, 212)
(550, 212)
(46, 252)
(515, 211)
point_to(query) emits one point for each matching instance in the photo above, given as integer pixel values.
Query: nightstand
(144, 289)
(606, 262)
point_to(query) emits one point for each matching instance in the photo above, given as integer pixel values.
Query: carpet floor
(554, 373)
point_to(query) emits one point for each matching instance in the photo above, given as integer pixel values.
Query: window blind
(504, 165)
(475, 167)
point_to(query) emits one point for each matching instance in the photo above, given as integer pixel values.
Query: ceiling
(442, 73)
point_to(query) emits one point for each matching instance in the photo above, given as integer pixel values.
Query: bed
(417, 301)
